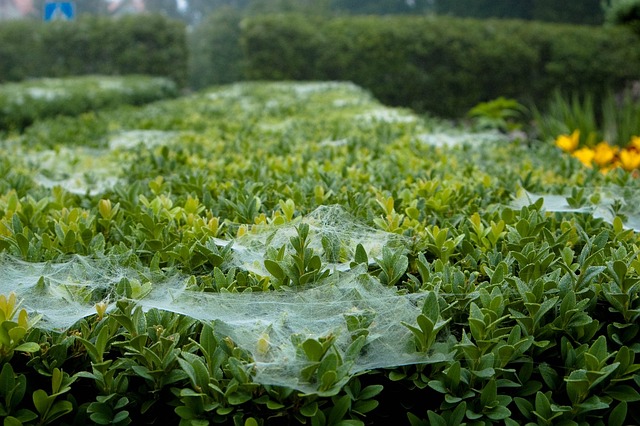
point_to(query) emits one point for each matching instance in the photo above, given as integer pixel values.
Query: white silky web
(600, 204)
(262, 323)
(327, 224)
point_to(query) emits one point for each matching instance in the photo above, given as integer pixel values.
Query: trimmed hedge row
(440, 64)
(144, 44)
(23, 103)
(474, 309)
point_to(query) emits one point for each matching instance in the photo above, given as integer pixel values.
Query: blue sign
(59, 10)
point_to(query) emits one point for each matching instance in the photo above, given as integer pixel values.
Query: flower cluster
(603, 155)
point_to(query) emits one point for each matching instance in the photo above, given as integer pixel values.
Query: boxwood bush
(440, 64)
(299, 254)
(23, 103)
(140, 44)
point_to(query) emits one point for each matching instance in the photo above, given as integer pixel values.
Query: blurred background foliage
(578, 12)
(436, 56)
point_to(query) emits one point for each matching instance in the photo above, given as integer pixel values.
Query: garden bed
(298, 253)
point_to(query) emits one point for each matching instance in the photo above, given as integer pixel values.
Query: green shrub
(299, 254)
(299, 45)
(440, 64)
(141, 44)
(23, 103)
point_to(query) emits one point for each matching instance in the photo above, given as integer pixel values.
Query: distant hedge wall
(441, 64)
(140, 44)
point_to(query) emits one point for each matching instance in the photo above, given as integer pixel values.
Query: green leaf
(237, 370)
(189, 370)
(549, 375)
(457, 415)
(42, 401)
(340, 408)
(29, 347)
(122, 402)
(365, 406)
(593, 403)
(619, 271)
(618, 415)
(274, 269)
(577, 385)
(121, 416)
(436, 419)
(489, 393)
(426, 325)
(25, 415)
(201, 373)
(354, 349)
(143, 372)
(313, 349)
(361, 255)
(238, 398)
(370, 392)
(101, 418)
(12, 421)
(454, 374)
(431, 308)
(599, 349)
(499, 413)
(274, 405)
(59, 409)
(327, 380)
(545, 307)
(417, 421)
(56, 380)
(7, 379)
(485, 373)
(543, 406)
(623, 393)
(309, 410)
(251, 422)
(396, 376)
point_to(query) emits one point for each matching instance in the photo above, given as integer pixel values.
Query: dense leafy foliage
(521, 312)
(438, 64)
(23, 103)
(145, 44)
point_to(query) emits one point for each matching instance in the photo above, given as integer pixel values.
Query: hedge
(25, 102)
(440, 64)
(279, 254)
(142, 44)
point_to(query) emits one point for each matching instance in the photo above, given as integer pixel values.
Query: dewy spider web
(261, 323)
(600, 205)
(326, 223)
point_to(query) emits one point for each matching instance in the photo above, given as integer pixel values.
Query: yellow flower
(635, 142)
(568, 143)
(604, 154)
(585, 155)
(629, 159)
